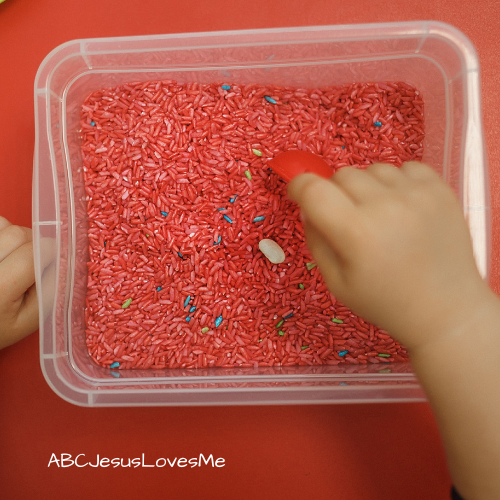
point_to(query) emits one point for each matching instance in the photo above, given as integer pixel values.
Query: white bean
(272, 251)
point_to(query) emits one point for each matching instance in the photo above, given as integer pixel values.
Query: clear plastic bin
(434, 57)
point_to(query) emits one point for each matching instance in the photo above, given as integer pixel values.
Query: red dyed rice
(182, 149)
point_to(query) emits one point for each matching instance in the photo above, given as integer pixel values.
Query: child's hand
(18, 302)
(393, 245)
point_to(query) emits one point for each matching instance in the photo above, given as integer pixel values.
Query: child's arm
(393, 245)
(18, 302)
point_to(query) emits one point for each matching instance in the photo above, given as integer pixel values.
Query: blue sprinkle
(158, 289)
(232, 200)
(343, 147)
(188, 319)
(228, 219)
(270, 99)
(104, 243)
(186, 302)
(226, 87)
(259, 218)
(180, 255)
(115, 365)
(164, 214)
(343, 383)
(222, 208)
(115, 374)
(192, 309)
(226, 73)
(218, 321)
(218, 241)
(378, 124)
(289, 316)
(343, 353)
(92, 124)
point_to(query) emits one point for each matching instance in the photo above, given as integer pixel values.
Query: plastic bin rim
(370, 30)
(395, 30)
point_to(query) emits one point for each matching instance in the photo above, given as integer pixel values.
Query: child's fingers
(21, 297)
(11, 238)
(388, 175)
(48, 287)
(23, 323)
(357, 184)
(47, 252)
(327, 260)
(419, 171)
(4, 223)
(17, 272)
(27, 319)
(326, 207)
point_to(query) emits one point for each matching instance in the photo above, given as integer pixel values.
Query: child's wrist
(475, 320)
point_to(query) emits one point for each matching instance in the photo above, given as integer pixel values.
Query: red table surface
(383, 451)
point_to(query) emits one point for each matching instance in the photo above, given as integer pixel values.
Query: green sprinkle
(126, 303)
(147, 235)
(281, 332)
(301, 286)
(248, 175)
(205, 329)
(336, 320)
(281, 321)
(260, 340)
(383, 355)
(310, 265)
(305, 347)
(385, 370)
(257, 152)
